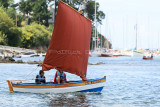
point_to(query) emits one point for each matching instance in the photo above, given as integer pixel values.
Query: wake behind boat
(68, 51)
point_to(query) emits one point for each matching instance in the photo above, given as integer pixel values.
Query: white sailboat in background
(136, 53)
(96, 52)
(148, 55)
(107, 52)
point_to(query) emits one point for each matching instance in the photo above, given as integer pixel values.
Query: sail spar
(70, 42)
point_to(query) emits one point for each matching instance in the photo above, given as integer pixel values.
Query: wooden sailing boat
(68, 51)
(146, 57)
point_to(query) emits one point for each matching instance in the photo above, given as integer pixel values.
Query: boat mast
(148, 40)
(101, 37)
(95, 24)
(107, 32)
(123, 34)
(158, 41)
(107, 44)
(136, 34)
(97, 36)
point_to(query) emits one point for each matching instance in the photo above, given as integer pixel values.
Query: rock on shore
(11, 60)
(7, 60)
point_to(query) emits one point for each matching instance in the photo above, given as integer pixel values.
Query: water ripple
(130, 82)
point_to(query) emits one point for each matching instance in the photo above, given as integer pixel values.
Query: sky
(121, 18)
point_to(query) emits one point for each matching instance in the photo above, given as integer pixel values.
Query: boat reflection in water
(68, 100)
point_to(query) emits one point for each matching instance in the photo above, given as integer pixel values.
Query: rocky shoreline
(11, 60)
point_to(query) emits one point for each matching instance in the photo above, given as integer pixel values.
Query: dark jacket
(39, 79)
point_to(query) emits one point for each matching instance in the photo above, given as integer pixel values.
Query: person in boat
(60, 77)
(40, 79)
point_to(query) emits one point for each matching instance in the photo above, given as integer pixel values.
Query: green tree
(18, 18)
(14, 36)
(40, 12)
(74, 3)
(6, 3)
(11, 12)
(7, 27)
(90, 10)
(3, 39)
(26, 7)
(35, 35)
(37, 9)
(50, 28)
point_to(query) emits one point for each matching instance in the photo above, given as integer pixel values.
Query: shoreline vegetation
(30, 23)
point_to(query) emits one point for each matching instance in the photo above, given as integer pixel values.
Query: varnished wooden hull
(106, 55)
(147, 58)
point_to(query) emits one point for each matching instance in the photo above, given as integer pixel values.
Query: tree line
(25, 24)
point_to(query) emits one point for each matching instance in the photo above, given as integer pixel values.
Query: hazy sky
(121, 18)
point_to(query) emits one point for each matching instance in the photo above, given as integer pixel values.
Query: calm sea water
(131, 81)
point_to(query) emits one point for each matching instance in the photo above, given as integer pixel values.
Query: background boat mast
(136, 34)
(95, 24)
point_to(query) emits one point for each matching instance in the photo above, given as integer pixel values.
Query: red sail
(70, 42)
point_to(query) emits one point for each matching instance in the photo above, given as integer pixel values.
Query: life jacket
(65, 79)
(40, 79)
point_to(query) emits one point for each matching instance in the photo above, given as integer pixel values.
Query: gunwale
(48, 85)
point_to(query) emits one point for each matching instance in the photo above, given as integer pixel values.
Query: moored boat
(137, 53)
(147, 58)
(95, 54)
(106, 55)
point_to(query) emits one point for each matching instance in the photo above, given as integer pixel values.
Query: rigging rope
(31, 72)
